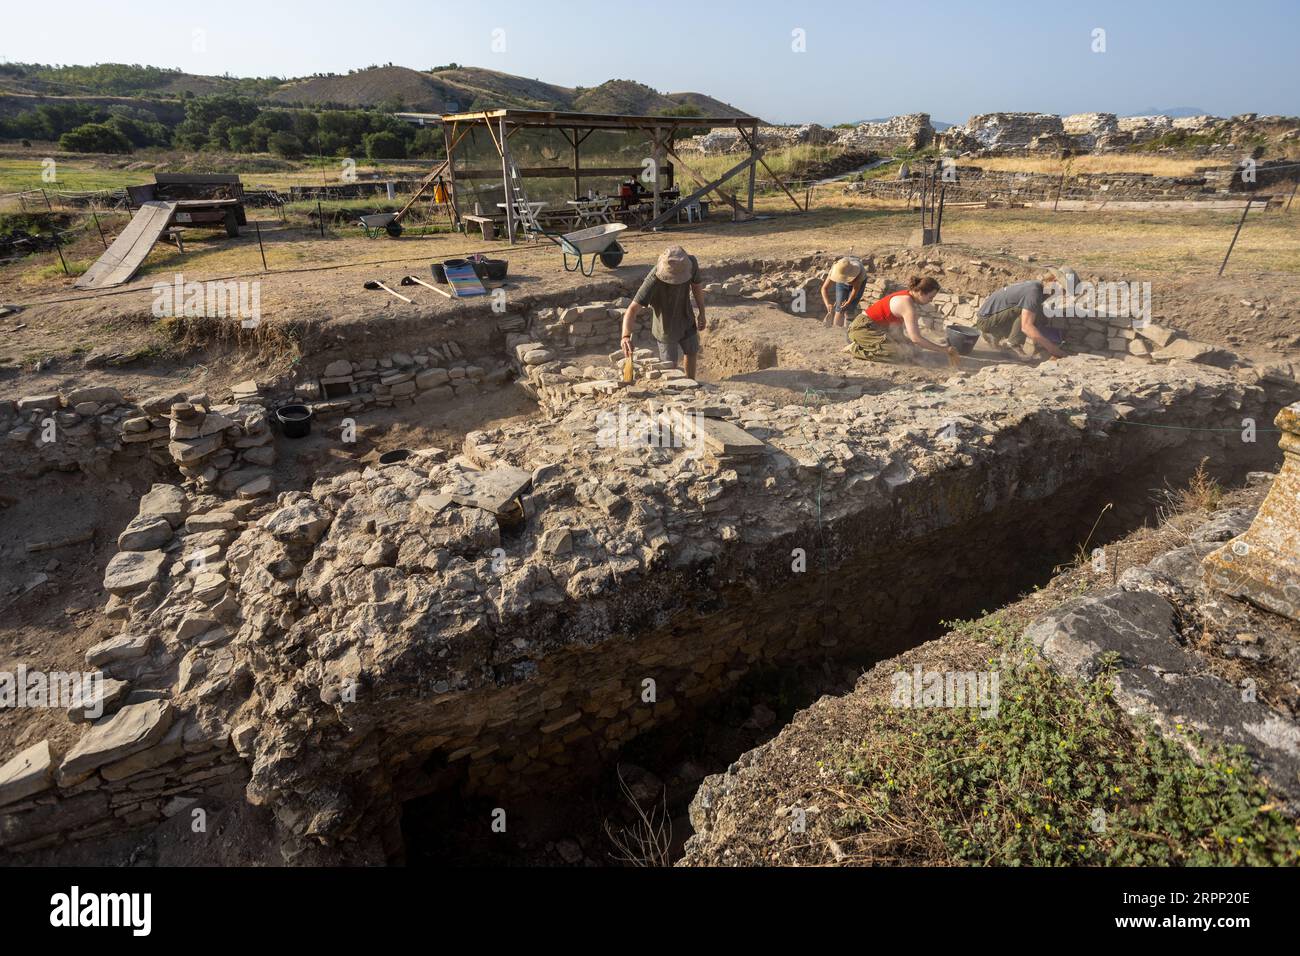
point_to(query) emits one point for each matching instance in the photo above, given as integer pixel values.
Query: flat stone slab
(28, 773)
(165, 501)
(115, 650)
(132, 729)
(211, 521)
(131, 571)
(101, 698)
(145, 533)
(493, 490)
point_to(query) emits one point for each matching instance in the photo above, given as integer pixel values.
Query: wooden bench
(486, 223)
(176, 235)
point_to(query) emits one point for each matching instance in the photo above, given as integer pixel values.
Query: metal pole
(100, 228)
(320, 218)
(258, 226)
(1241, 222)
(46, 197)
(938, 223)
(59, 249)
(1294, 187)
(1059, 187)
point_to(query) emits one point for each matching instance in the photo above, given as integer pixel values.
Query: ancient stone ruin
(481, 619)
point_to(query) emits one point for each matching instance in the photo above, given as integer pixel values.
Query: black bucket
(439, 273)
(295, 420)
(962, 337)
(394, 456)
(612, 256)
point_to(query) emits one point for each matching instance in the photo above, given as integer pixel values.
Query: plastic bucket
(295, 420)
(962, 337)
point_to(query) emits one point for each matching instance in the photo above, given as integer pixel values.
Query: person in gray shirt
(1013, 312)
(667, 291)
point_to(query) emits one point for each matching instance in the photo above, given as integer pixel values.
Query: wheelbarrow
(379, 222)
(588, 245)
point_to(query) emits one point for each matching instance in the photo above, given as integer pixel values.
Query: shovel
(415, 280)
(373, 284)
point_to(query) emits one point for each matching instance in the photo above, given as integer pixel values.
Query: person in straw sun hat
(668, 290)
(846, 280)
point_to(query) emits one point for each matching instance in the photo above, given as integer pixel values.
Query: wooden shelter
(502, 124)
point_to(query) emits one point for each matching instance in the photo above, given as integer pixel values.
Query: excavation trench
(854, 606)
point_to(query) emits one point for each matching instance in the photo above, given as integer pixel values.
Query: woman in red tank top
(896, 312)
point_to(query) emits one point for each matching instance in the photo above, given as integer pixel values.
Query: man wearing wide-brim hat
(668, 291)
(846, 280)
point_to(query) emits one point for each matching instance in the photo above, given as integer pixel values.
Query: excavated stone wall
(487, 618)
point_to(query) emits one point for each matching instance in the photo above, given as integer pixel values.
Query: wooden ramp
(122, 259)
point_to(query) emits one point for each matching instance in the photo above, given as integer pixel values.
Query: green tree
(385, 145)
(94, 138)
(285, 145)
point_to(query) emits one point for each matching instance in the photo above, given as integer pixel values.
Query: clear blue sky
(862, 60)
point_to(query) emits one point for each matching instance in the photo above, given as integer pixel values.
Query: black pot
(396, 455)
(612, 256)
(962, 337)
(494, 270)
(295, 420)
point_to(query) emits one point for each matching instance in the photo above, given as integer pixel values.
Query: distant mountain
(453, 88)
(1172, 111)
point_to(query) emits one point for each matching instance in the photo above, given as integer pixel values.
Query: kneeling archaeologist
(668, 291)
(883, 331)
(1012, 313)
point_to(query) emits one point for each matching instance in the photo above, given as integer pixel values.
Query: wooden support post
(706, 188)
(753, 169)
(1241, 222)
(658, 155)
(1059, 187)
(504, 147)
(775, 177)
(450, 146)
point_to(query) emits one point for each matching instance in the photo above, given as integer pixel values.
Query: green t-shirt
(674, 316)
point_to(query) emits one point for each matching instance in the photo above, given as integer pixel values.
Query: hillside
(442, 90)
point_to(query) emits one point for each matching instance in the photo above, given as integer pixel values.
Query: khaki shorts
(1004, 324)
